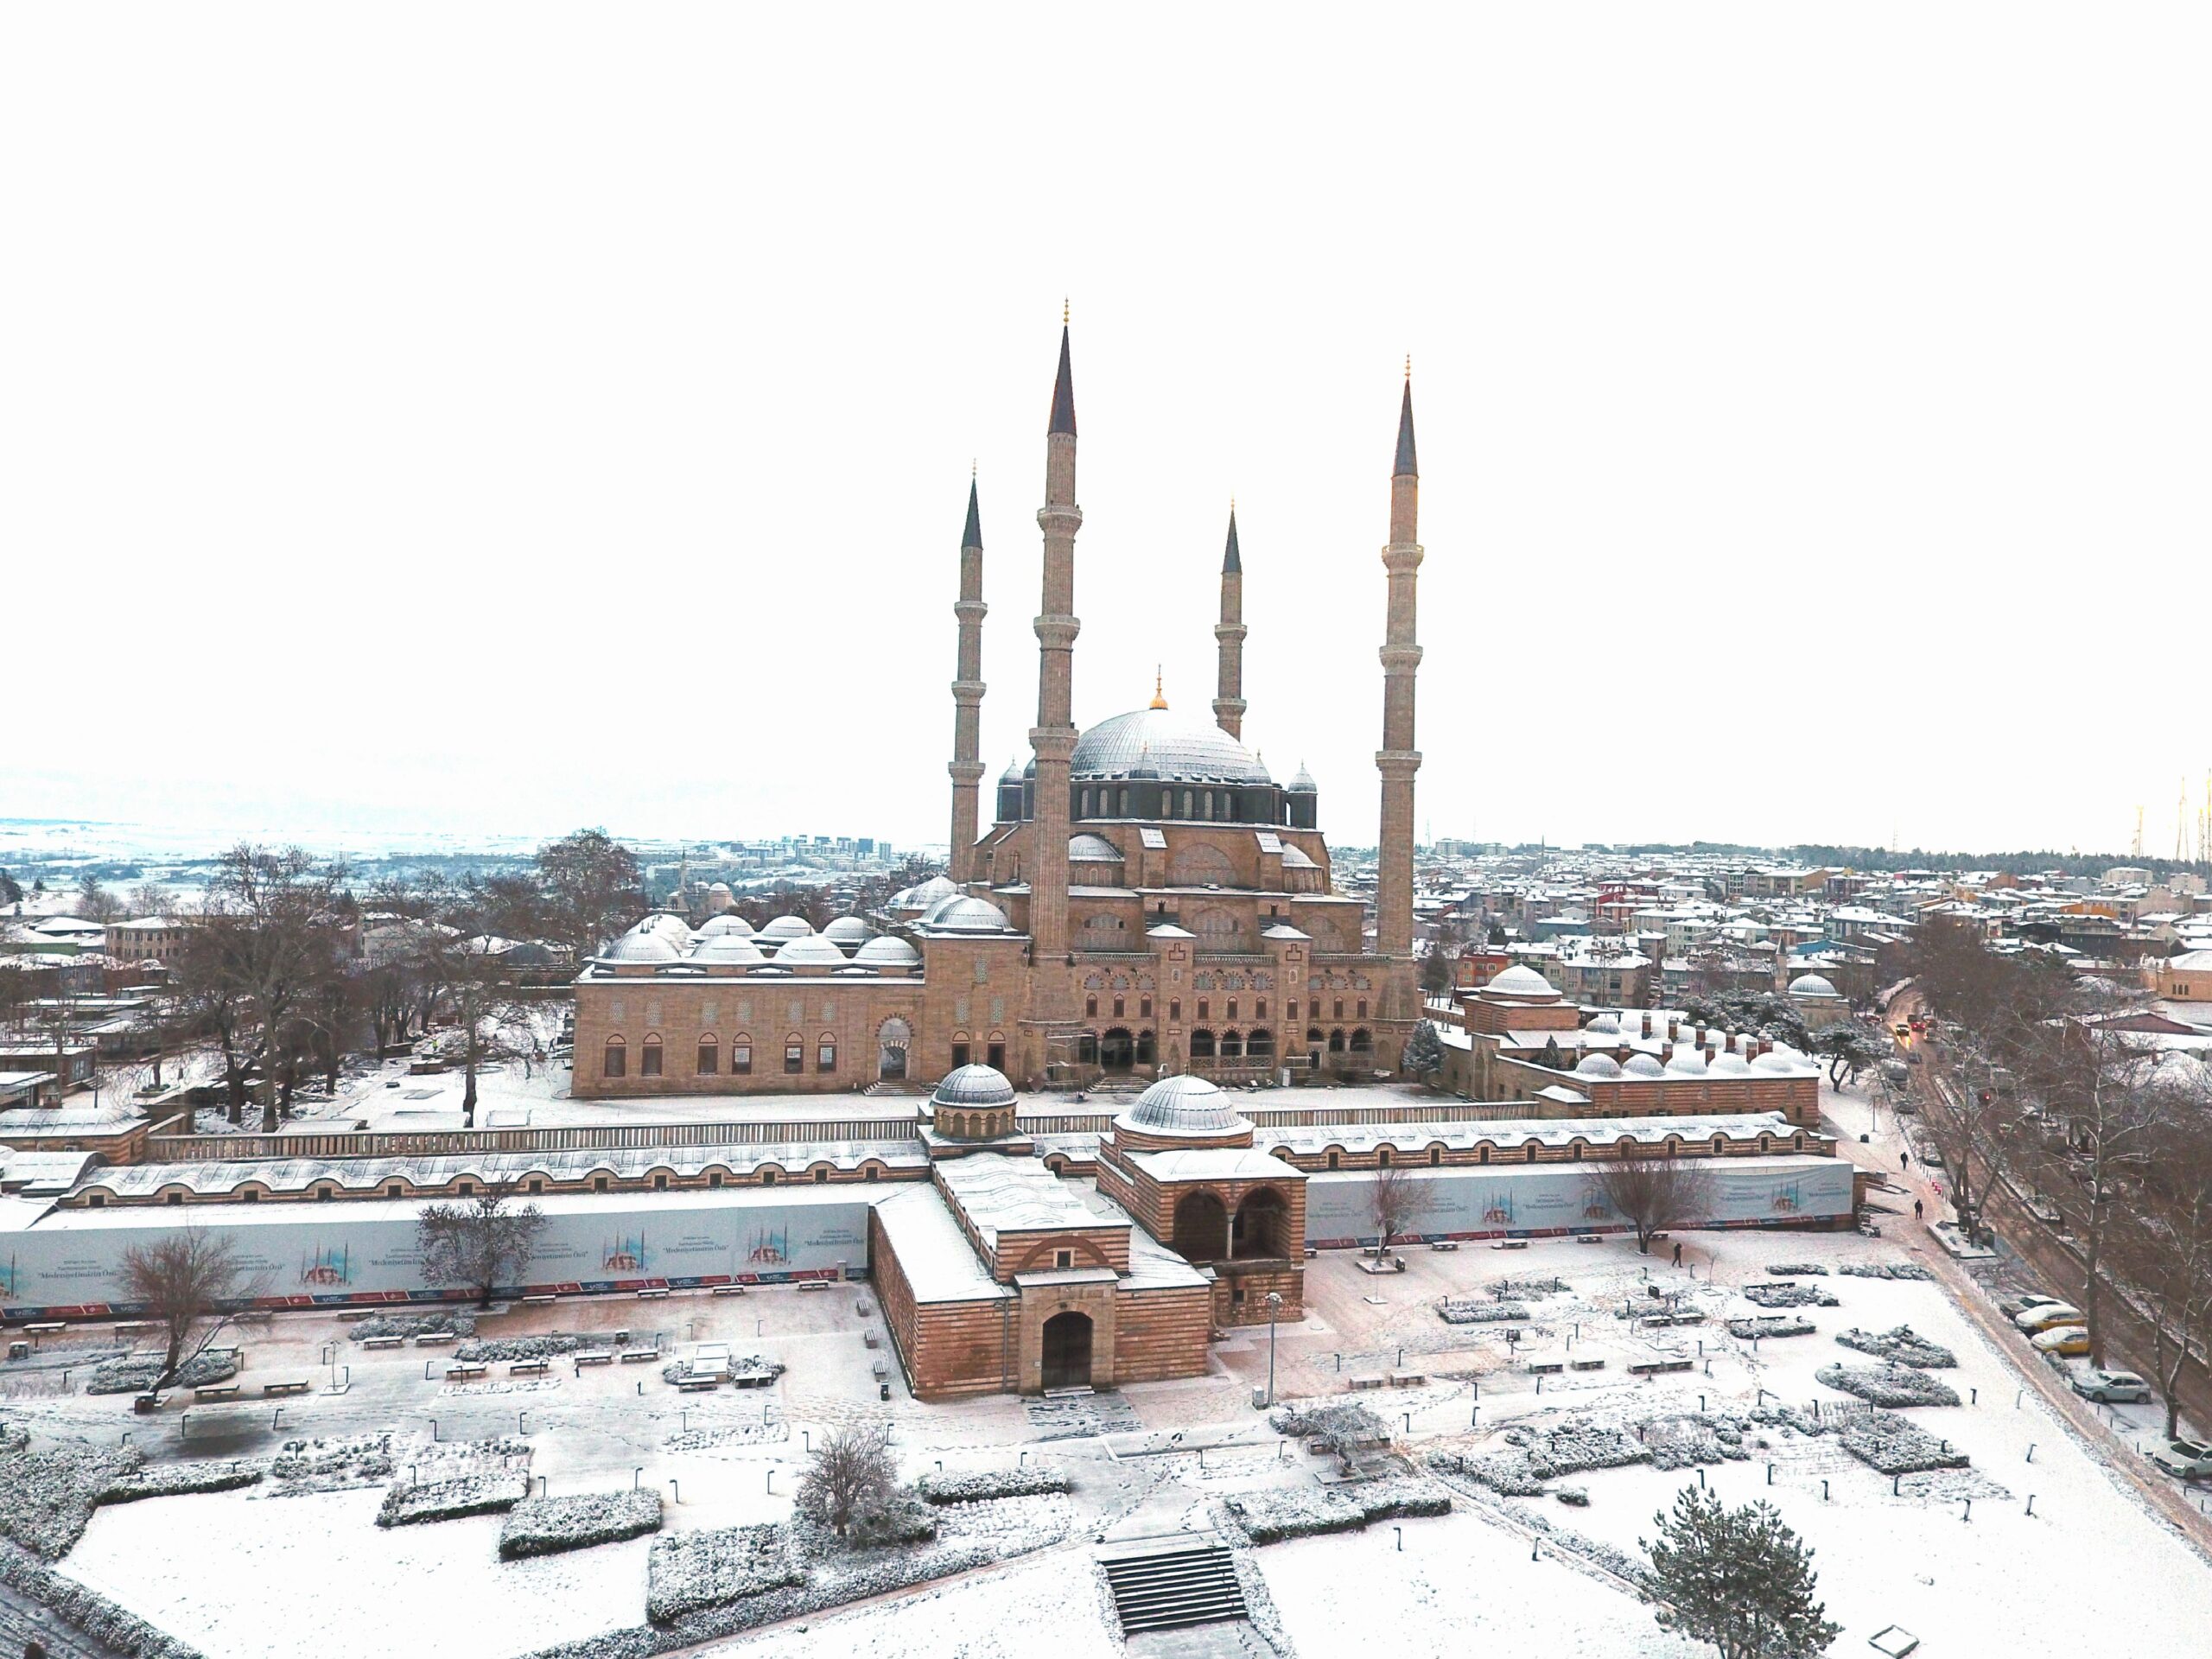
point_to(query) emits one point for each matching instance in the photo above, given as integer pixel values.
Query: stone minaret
(1053, 739)
(1229, 703)
(967, 769)
(1397, 760)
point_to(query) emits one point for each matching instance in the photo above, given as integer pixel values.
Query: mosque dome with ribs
(1170, 745)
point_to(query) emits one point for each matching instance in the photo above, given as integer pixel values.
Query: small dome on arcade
(968, 914)
(728, 922)
(651, 946)
(1687, 1062)
(1729, 1063)
(1811, 985)
(786, 927)
(1606, 1025)
(1087, 849)
(1183, 1105)
(814, 948)
(848, 930)
(1642, 1066)
(887, 950)
(730, 947)
(974, 1085)
(1598, 1066)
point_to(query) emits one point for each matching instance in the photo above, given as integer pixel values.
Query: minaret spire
(1397, 760)
(1053, 738)
(967, 766)
(1228, 704)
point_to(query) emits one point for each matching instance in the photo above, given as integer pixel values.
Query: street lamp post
(1275, 1305)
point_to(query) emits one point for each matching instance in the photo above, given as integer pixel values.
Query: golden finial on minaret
(1410, 365)
(1159, 697)
(1064, 310)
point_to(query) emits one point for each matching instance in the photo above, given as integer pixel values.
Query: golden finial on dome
(1159, 700)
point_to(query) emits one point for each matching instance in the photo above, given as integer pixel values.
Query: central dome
(1160, 743)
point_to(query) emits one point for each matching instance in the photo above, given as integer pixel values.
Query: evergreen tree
(1739, 1579)
(10, 894)
(1424, 1051)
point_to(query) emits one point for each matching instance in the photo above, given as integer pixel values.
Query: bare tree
(148, 901)
(593, 889)
(185, 1283)
(95, 903)
(853, 1471)
(1653, 1194)
(2163, 1246)
(1392, 1198)
(483, 1244)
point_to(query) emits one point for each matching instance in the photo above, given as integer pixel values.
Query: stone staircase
(1166, 1583)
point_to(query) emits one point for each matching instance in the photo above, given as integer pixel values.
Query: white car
(2190, 1459)
(2047, 1315)
(2113, 1388)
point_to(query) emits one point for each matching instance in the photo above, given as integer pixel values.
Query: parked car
(2067, 1341)
(2112, 1388)
(2047, 1315)
(2191, 1459)
(2013, 1306)
(1901, 1031)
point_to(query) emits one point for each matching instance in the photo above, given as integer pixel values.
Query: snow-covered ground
(241, 1576)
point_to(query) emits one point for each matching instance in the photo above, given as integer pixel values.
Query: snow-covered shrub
(1338, 1426)
(450, 1500)
(1519, 1290)
(1505, 1472)
(1634, 1569)
(461, 1321)
(332, 1465)
(1886, 1270)
(13, 1437)
(1465, 1312)
(936, 1488)
(1768, 1325)
(174, 1480)
(546, 1526)
(139, 1372)
(88, 1610)
(1272, 1515)
(498, 1350)
(1796, 1270)
(1901, 1345)
(1688, 1440)
(900, 1518)
(1791, 1296)
(1895, 1446)
(1575, 1497)
(1579, 1444)
(688, 1571)
(46, 1498)
(1888, 1385)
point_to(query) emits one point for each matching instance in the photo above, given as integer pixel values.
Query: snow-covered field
(242, 1577)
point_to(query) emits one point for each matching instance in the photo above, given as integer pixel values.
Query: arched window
(710, 1056)
(1797, 1143)
(1362, 1041)
(1186, 803)
(1716, 1141)
(1083, 810)
(1202, 1043)
(1335, 1158)
(1482, 1154)
(1090, 1007)
(1435, 1156)
(1232, 1046)
(615, 1062)
(1260, 1044)
(1574, 1152)
(1383, 1157)
(649, 1058)
(1336, 1041)
(740, 1057)
(1766, 1143)
(1531, 1150)
(1125, 803)
(825, 1052)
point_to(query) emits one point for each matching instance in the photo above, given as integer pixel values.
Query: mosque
(1148, 900)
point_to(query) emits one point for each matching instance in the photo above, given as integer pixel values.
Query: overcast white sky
(506, 418)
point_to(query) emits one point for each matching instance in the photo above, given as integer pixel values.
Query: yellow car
(2067, 1341)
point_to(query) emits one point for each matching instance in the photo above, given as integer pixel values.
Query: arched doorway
(892, 1039)
(1146, 1054)
(1202, 1045)
(1117, 1050)
(1260, 1045)
(1201, 1228)
(1067, 1352)
(1262, 1226)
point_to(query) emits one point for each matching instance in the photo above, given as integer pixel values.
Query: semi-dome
(1174, 747)
(1598, 1066)
(1296, 858)
(1521, 981)
(1087, 849)
(786, 927)
(1642, 1066)
(969, 915)
(730, 947)
(974, 1085)
(814, 948)
(729, 922)
(848, 930)
(649, 946)
(1811, 985)
(1183, 1105)
(887, 950)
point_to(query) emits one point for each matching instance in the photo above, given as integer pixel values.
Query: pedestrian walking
(1905, 1161)
(1678, 1253)
(1919, 1211)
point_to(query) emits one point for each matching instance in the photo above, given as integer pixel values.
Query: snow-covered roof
(1214, 1164)
(1002, 1194)
(938, 1262)
(1733, 1127)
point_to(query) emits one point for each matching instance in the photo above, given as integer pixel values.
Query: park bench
(540, 1298)
(1409, 1379)
(814, 1283)
(596, 1357)
(863, 1307)
(1543, 1367)
(653, 1294)
(1509, 1244)
(1444, 1244)
(728, 1290)
(1589, 1238)
(694, 1384)
(1585, 1365)
(639, 1355)
(1654, 1367)
(433, 1338)
(1313, 1252)
(382, 1342)
(880, 1370)
(289, 1385)
(462, 1370)
(48, 1327)
(1360, 1384)
(529, 1368)
(216, 1391)
(869, 1339)
(134, 1327)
